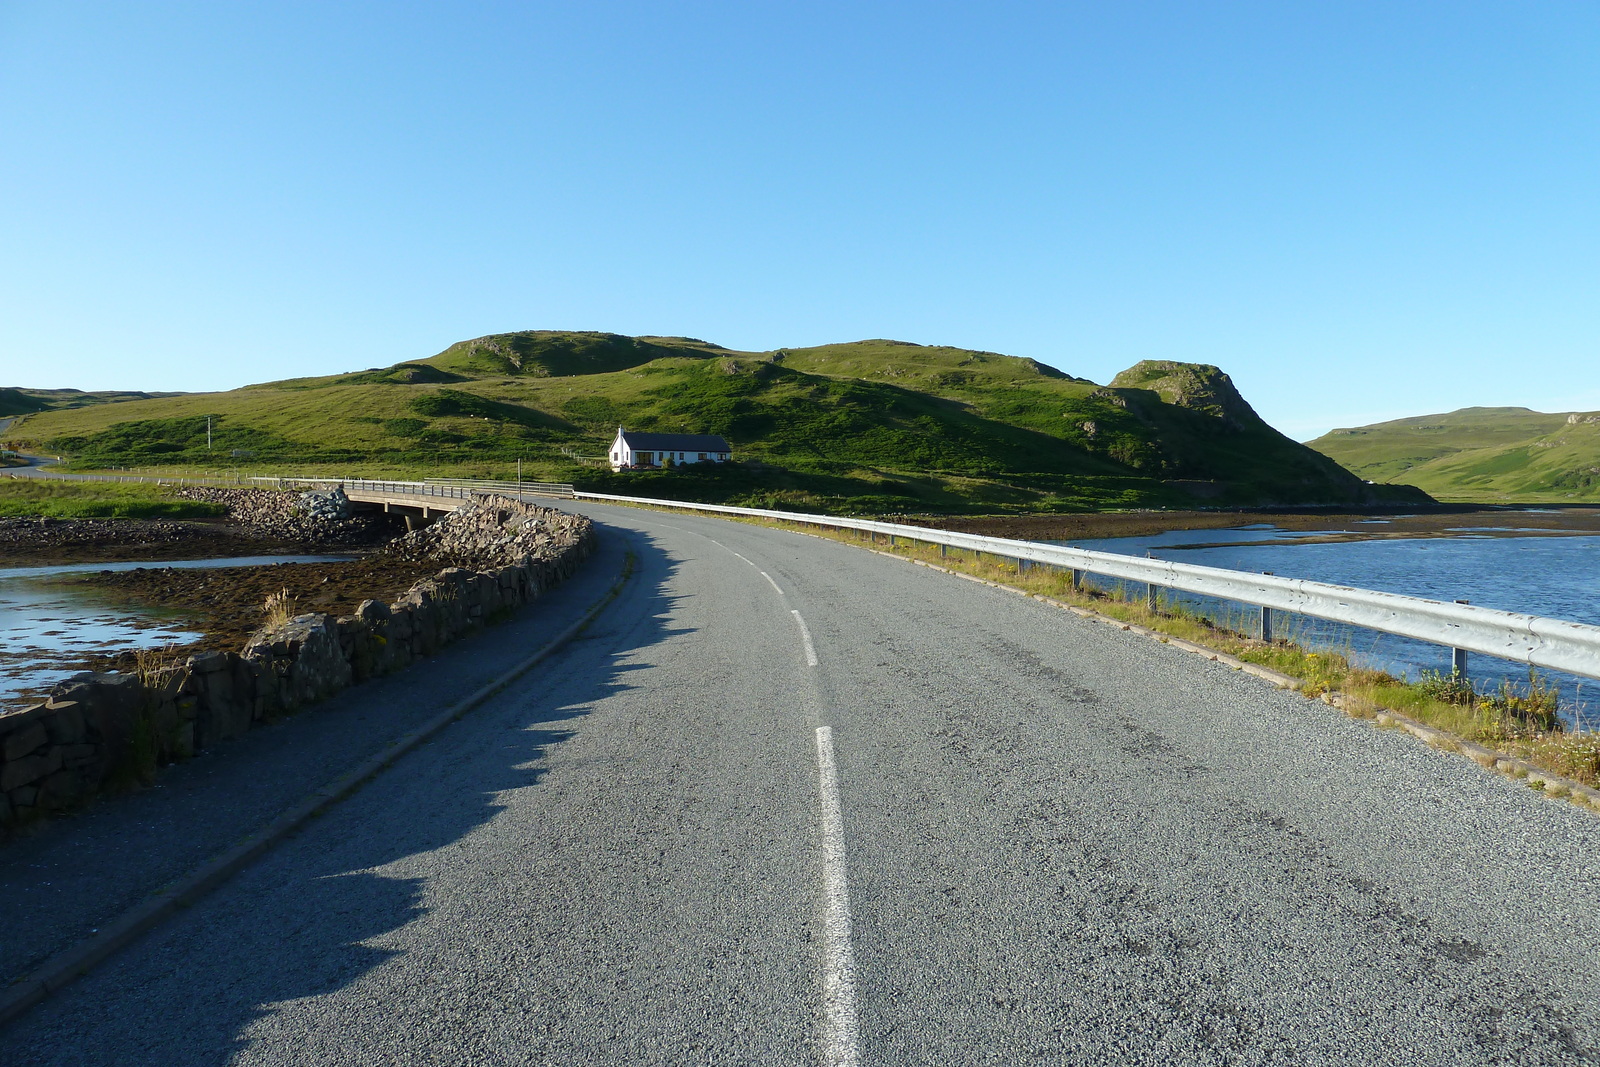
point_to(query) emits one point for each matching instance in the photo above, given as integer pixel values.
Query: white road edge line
(768, 577)
(839, 1026)
(805, 636)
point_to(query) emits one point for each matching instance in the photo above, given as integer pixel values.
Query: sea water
(1543, 573)
(47, 628)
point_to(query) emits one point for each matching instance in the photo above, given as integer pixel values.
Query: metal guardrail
(1535, 640)
(1531, 639)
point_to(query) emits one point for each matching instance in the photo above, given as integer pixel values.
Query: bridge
(422, 502)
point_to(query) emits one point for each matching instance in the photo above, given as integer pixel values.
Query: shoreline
(224, 605)
(49, 542)
(1374, 525)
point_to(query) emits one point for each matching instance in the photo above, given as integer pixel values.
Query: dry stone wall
(103, 732)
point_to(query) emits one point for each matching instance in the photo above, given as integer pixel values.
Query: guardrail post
(1077, 580)
(1458, 657)
(1151, 595)
(1023, 564)
(1266, 620)
(941, 552)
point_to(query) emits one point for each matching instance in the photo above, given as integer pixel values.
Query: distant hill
(874, 425)
(15, 401)
(1499, 455)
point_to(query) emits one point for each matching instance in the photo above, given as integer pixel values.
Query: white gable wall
(623, 455)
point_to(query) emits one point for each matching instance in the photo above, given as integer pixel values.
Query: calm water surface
(47, 628)
(1557, 576)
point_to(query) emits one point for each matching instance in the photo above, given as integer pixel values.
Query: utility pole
(519, 470)
(208, 433)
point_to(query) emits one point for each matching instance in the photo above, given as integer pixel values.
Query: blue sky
(1360, 211)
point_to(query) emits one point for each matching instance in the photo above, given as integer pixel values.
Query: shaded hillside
(552, 354)
(1502, 455)
(875, 425)
(16, 402)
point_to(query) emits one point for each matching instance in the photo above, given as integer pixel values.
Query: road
(789, 802)
(36, 465)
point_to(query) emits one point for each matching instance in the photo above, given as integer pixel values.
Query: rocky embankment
(321, 518)
(101, 732)
(259, 522)
(487, 533)
(24, 541)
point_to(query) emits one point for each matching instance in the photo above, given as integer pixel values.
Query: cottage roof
(674, 442)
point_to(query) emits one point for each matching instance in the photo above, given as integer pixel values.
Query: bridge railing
(1534, 640)
(453, 489)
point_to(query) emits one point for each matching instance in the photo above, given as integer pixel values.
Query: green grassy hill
(24, 401)
(1482, 455)
(16, 402)
(871, 426)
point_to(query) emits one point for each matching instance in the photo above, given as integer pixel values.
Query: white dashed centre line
(768, 577)
(805, 637)
(839, 1026)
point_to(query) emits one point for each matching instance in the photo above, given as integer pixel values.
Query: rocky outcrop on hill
(108, 731)
(1198, 387)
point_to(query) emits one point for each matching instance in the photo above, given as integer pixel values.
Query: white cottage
(644, 450)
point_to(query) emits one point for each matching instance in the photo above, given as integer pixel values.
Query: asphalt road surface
(789, 802)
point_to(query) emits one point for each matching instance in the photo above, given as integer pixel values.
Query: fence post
(1458, 657)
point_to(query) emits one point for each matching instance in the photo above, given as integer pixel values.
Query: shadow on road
(193, 998)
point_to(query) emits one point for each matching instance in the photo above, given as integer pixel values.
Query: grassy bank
(1516, 721)
(38, 498)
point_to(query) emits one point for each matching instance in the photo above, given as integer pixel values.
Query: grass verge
(38, 498)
